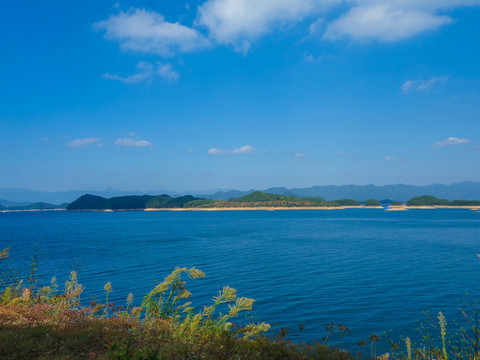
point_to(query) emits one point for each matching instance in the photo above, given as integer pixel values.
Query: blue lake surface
(368, 269)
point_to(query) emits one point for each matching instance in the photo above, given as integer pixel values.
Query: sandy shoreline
(390, 208)
(265, 208)
(444, 207)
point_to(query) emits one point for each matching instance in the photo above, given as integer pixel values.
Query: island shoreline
(390, 208)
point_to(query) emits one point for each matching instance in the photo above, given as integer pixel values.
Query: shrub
(372, 202)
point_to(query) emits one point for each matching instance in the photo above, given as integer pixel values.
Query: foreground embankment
(42, 323)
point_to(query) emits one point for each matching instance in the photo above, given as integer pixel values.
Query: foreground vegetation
(44, 322)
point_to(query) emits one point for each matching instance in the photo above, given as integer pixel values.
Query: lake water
(368, 269)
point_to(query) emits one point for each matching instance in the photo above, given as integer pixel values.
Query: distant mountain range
(33, 206)
(464, 190)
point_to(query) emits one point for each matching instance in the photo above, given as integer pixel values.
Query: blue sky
(199, 95)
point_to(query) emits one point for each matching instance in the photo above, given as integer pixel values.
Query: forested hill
(430, 200)
(262, 199)
(133, 202)
(256, 199)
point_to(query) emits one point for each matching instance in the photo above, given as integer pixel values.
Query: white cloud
(81, 143)
(388, 21)
(239, 22)
(147, 31)
(246, 149)
(316, 59)
(316, 27)
(131, 142)
(146, 72)
(450, 141)
(309, 58)
(422, 85)
(166, 71)
(217, 151)
(390, 158)
(299, 155)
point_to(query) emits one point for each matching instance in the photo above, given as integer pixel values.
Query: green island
(255, 200)
(429, 200)
(46, 321)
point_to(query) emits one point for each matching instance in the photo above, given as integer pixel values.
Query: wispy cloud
(316, 27)
(390, 158)
(246, 149)
(165, 71)
(316, 59)
(217, 151)
(140, 30)
(81, 143)
(146, 72)
(450, 141)
(299, 155)
(422, 85)
(388, 21)
(132, 142)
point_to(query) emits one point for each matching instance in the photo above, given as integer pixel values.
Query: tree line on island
(34, 206)
(254, 200)
(429, 200)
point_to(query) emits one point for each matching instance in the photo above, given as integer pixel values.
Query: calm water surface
(371, 270)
